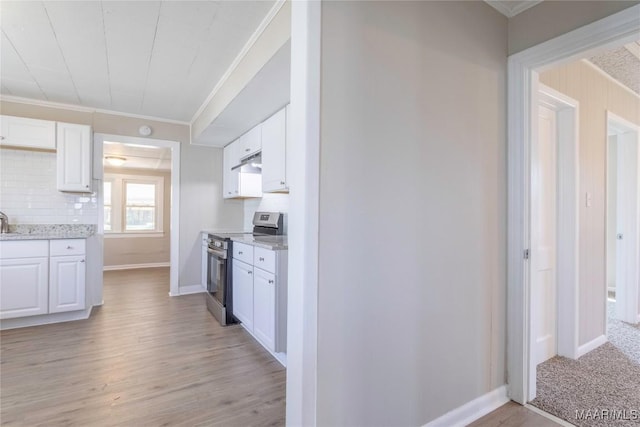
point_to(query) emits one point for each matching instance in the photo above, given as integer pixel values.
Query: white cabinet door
(28, 133)
(23, 287)
(74, 158)
(66, 283)
(264, 307)
(230, 178)
(274, 147)
(251, 142)
(243, 293)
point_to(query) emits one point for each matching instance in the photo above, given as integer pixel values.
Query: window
(133, 204)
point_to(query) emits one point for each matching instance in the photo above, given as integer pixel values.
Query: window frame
(119, 205)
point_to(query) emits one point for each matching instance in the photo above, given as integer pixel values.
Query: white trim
(471, 411)
(83, 109)
(591, 345)
(608, 77)
(129, 234)
(45, 319)
(568, 216)
(135, 266)
(192, 289)
(280, 357)
(547, 415)
(243, 52)
(511, 11)
(302, 304)
(617, 29)
(174, 227)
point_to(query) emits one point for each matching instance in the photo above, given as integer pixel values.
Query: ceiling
(152, 58)
(138, 156)
(622, 64)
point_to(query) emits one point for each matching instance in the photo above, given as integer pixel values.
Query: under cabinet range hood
(250, 164)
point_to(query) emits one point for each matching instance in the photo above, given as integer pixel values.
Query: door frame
(630, 293)
(99, 138)
(567, 224)
(523, 68)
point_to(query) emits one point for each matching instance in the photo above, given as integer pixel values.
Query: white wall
(202, 206)
(28, 193)
(412, 287)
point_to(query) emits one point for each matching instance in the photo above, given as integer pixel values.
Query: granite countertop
(48, 232)
(274, 243)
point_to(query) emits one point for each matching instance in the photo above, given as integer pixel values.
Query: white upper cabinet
(230, 178)
(274, 148)
(74, 158)
(251, 142)
(28, 133)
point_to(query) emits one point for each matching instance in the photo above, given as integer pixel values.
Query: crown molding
(511, 8)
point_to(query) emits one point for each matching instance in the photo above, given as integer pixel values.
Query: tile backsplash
(28, 193)
(270, 202)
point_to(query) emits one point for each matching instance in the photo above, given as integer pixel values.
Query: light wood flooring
(513, 415)
(142, 359)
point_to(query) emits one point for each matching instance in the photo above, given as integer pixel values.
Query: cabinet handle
(1, 138)
(69, 247)
(81, 260)
(270, 281)
(240, 252)
(282, 182)
(249, 272)
(86, 186)
(260, 259)
(247, 149)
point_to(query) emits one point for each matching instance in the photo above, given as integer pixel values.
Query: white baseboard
(135, 266)
(471, 411)
(591, 345)
(192, 289)
(45, 319)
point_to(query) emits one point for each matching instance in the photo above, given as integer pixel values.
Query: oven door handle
(219, 254)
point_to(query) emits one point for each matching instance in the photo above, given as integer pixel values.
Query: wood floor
(513, 415)
(142, 359)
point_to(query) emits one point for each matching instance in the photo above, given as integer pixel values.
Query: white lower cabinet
(23, 287)
(264, 307)
(260, 294)
(243, 292)
(66, 283)
(41, 277)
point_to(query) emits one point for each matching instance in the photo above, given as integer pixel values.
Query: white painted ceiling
(138, 156)
(622, 64)
(151, 58)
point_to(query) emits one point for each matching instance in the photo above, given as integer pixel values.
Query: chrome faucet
(4, 223)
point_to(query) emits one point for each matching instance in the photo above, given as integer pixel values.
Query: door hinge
(526, 254)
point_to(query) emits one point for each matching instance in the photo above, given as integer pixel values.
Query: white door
(23, 287)
(543, 236)
(243, 293)
(264, 307)
(628, 228)
(66, 283)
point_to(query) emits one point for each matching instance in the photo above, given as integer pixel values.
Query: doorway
(623, 219)
(615, 30)
(144, 153)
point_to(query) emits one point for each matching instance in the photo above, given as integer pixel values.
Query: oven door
(217, 274)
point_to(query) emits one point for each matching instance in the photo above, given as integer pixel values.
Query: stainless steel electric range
(219, 260)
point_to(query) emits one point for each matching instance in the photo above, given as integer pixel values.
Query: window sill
(152, 234)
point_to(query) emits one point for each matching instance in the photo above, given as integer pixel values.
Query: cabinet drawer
(24, 249)
(264, 259)
(67, 247)
(243, 252)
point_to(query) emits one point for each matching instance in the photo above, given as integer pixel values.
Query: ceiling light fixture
(115, 160)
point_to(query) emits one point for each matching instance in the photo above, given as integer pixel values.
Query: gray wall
(142, 250)
(550, 19)
(412, 286)
(201, 186)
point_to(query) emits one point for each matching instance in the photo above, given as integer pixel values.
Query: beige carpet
(602, 388)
